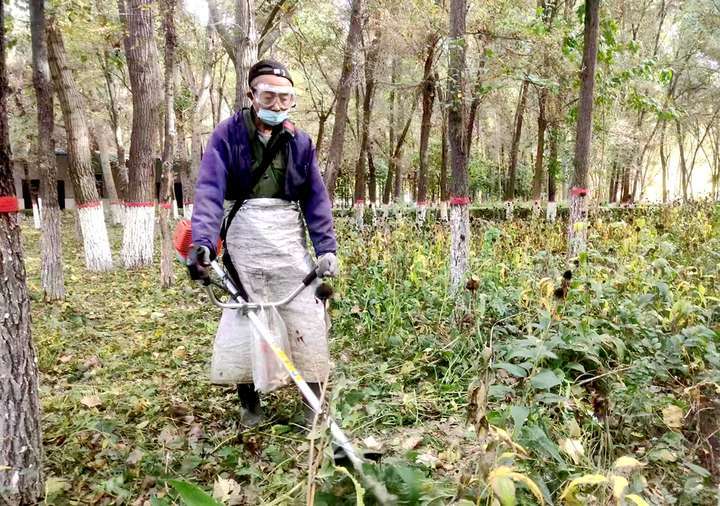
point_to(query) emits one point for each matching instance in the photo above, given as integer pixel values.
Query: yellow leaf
(530, 484)
(636, 499)
(91, 401)
(504, 489)
(627, 464)
(588, 479)
(673, 416)
(619, 485)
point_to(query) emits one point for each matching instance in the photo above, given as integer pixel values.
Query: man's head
(271, 91)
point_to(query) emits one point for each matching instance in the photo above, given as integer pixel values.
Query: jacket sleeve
(208, 209)
(317, 210)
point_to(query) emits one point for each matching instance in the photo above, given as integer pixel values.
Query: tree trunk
(683, 161)
(167, 185)
(51, 270)
(387, 189)
(553, 170)
(90, 212)
(459, 212)
(119, 171)
(540, 153)
(332, 168)
(116, 210)
(143, 68)
(372, 178)
(664, 164)
(370, 63)
(21, 455)
(443, 183)
(577, 227)
(428, 100)
(517, 132)
(246, 45)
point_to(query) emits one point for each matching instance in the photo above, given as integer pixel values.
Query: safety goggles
(267, 95)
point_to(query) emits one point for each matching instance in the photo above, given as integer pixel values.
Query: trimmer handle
(311, 276)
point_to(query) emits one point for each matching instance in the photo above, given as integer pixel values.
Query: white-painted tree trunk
(443, 210)
(551, 213)
(421, 213)
(138, 236)
(117, 211)
(98, 256)
(359, 209)
(536, 208)
(187, 211)
(459, 244)
(509, 210)
(175, 212)
(36, 215)
(577, 225)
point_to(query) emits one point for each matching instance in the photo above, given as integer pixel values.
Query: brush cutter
(344, 450)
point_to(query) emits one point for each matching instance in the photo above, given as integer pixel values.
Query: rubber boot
(309, 414)
(251, 413)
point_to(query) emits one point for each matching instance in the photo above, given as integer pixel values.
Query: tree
(143, 68)
(332, 167)
(51, 272)
(459, 202)
(21, 473)
(98, 256)
(167, 196)
(515, 146)
(360, 175)
(577, 226)
(428, 101)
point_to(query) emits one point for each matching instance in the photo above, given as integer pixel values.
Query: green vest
(272, 184)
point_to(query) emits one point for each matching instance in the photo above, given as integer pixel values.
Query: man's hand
(198, 261)
(327, 265)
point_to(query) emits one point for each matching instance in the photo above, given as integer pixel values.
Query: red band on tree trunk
(9, 204)
(86, 205)
(116, 202)
(459, 201)
(359, 201)
(578, 192)
(166, 205)
(422, 202)
(140, 204)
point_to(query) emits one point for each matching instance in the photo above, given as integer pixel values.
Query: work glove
(198, 261)
(327, 265)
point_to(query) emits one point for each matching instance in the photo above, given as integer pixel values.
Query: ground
(515, 388)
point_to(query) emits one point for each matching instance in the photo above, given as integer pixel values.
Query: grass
(554, 388)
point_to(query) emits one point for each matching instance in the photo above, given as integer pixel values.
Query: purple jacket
(225, 174)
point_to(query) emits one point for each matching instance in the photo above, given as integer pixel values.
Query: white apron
(266, 241)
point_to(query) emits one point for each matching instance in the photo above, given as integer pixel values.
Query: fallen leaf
(427, 459)
(228, 491)
(411, 443)
(372, 444)
(135, 456)
(91, 401)
(627, 464)
(673, 416)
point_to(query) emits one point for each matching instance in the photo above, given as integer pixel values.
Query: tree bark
(459, 212)
(372, 178)
(51, 271)
(540, 153)
(387, 189)
(517, 132)
(98, 256)
(664, 163)
(553, 170)
(143, 68)
(360, 176)
(21, 473)
(167, 186)
(577, 227)
(246, 44)
(332, 167)
(428, 101)
(116, 210)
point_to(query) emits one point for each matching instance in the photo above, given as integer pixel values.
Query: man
(258, 159)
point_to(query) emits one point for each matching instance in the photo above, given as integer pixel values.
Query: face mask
(272, 118)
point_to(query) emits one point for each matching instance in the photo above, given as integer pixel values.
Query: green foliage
(626, 365)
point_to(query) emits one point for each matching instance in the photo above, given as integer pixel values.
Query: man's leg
(251, 413)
